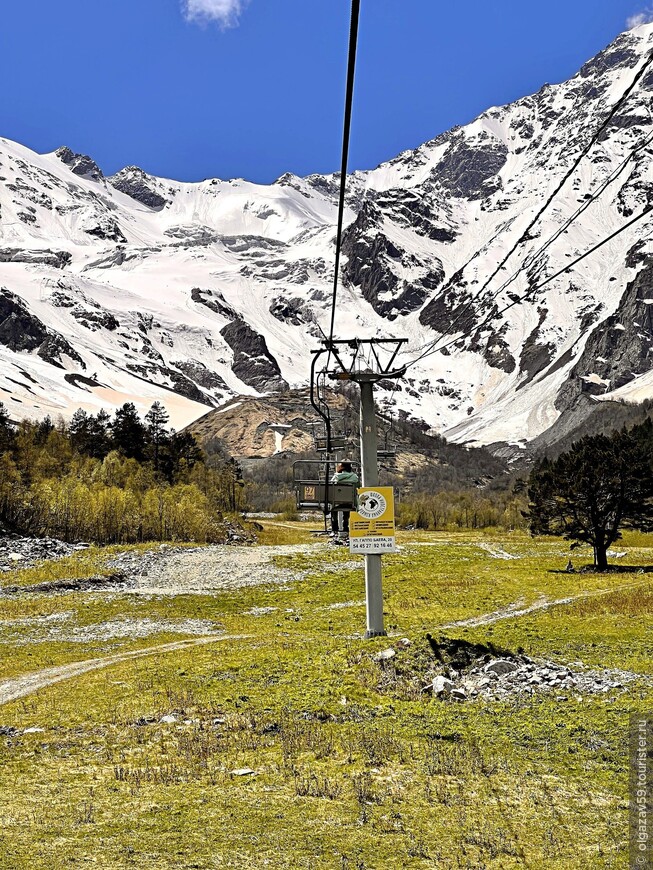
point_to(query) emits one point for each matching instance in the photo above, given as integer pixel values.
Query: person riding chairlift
(340, 518)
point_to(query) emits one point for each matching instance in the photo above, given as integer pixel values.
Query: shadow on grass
(611, 569)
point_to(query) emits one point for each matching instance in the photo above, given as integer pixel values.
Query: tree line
(113, 479)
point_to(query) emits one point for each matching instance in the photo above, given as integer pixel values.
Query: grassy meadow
(284, 743)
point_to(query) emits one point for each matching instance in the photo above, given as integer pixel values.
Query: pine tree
(43, 429)
(6, 430)
(604, 483)
(79, 431)
(156, 421)
(129, 435)
(182, 453)
(100, 434)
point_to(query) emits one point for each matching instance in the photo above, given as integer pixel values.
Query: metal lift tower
(366, 362)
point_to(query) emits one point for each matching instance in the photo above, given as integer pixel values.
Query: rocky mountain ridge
(136, 288)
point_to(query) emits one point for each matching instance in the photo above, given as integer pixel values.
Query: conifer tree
(100, 434)
(6, 429)
(156, 421)
(588, 494)
(129, 435)
(79, 431)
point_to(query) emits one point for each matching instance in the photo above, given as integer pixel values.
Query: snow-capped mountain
(136, 288)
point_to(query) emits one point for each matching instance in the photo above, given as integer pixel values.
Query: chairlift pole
(370, 477)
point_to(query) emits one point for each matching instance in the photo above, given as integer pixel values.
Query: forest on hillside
(113, 480)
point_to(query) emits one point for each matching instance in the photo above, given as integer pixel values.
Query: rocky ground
(482, 674)
(500, 678)
(18, 551)
(203, 570)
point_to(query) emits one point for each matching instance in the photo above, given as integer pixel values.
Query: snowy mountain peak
(136, 288)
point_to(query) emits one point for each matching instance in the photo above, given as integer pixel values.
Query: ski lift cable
(534, 290)
(524, 236)
(532, 258)
(349, 99)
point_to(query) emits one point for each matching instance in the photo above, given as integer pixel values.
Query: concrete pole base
(370, 634)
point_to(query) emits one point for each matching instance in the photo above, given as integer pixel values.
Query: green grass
(354, 766)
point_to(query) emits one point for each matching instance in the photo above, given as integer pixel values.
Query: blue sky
(191, 89)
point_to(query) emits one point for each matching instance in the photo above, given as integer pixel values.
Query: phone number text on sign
(372, 545)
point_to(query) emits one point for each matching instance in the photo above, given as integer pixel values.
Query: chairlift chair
(339, 439)
(315, 491)
(387, 450)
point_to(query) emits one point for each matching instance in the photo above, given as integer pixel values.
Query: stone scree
(17, 551)
(500, 678)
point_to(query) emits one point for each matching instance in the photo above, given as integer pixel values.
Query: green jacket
(348, 478)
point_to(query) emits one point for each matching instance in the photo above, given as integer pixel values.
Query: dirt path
(19, 687)
(510, 611)
(207, 570)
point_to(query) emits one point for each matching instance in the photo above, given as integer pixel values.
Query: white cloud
(224, 12)
(645, 17)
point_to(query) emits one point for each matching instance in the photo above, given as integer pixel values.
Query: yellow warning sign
(372, 525)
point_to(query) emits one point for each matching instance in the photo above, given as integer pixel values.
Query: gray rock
(469, 169)
(253, 363)
(42, 256)
(139, 185)
(385, 655)
(441, 685)
(500, 667)
(21, 330)
(80, 164)
(376, 265)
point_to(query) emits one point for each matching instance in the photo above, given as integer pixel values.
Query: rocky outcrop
(94, 318)
(619, 348)
(469, 169)
(371, 262)
(187, 387)
(202, 375)
(215, 301)
(139, 185)
(193, 236)
(417, 210)
(42, 257)
(22, 331)
(451, 306)
(253, 363)
(535, 355)
(106, 228)
(80, 164)
(293, 311)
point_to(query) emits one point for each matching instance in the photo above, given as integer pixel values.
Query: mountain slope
(139, 288)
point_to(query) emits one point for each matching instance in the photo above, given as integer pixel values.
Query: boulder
(500, 667)
(441, 685)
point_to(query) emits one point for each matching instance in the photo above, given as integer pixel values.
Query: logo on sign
(372, 505)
